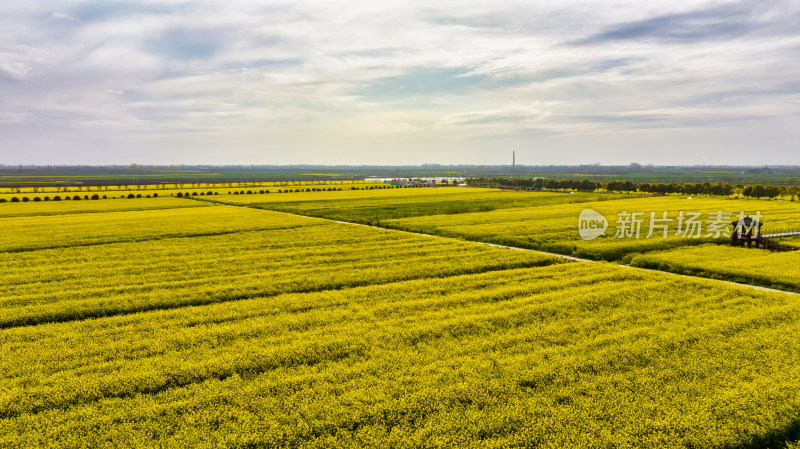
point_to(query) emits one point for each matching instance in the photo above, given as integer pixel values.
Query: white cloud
(354, 76)
(62, 16)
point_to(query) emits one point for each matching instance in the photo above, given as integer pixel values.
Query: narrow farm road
(561, 256)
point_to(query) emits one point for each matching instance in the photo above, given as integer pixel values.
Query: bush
(202, 193)
(2, 200)
(216, 193)
(86, 197)
(235, 193)
(148, 196)
(249, 192)
(36, 198)
(25, 199)
(56, 198)
(95, 197)
(76, 197)
(155, 195)
(194, 193)
(242, 192)
(47, 198)
(210, 193)
(105, 197)
(130, 195)
(179, 195)
(139, 195)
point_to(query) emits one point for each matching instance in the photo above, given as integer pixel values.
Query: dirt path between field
(561, 256)
(573, 258)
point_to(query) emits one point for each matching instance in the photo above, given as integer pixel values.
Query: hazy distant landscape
(154, 174)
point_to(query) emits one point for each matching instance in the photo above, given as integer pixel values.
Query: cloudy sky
(399, 82)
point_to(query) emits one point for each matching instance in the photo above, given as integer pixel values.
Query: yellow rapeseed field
(205, 325)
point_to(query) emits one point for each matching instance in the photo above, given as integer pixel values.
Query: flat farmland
(779, 270)
(66, 230)
(545, 221)
(210, 254)
(68, 207)
(377, 206)
(221, 326)
(548, 222)
(127, 186)
(555, 227)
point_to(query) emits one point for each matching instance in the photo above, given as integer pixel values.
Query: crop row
(30, 233)
(167, 190)
(752, 266)
(374, 206)
(555, 227)
(83, 207)
(81, 282)
(564, 355)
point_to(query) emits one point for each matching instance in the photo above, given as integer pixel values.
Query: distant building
(746, 231)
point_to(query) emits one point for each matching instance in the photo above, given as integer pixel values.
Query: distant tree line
(96, 196)
(586, 185)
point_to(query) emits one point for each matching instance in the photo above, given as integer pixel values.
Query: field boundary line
(757, 287)
(578, 259)
(561, 256)
(138, 240)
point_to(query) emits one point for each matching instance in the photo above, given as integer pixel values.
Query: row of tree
(96, 196)
(586, 185)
